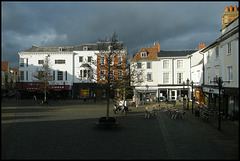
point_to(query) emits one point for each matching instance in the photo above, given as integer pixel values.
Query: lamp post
(219, 82)
(146, 94)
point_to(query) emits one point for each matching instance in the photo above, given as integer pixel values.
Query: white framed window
(120, 74)
(21, 62)
(149, 77)
(40, 61)
(229, 73)
(165, 64)
(165, 78)
(102, 74)
(139, 65)
(80, 59)
(89, 58)
(179, 78)
(229, 48)
(149, 65)
(111, 74)
(102, 60)
(85, 74)
(60, 75)
(119, 60)
(21, 75)
(143, 54)
(111, 60)
(179, 63)
(60, 61)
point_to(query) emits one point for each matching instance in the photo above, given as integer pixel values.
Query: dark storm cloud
(175, 25)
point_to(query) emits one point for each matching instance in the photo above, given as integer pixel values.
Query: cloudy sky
(175, 25)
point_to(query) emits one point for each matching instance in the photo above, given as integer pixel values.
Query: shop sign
(212, 90)
(85, 93)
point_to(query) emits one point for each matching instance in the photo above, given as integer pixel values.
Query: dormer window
(85, 48)
(143, 54)
(60, 49)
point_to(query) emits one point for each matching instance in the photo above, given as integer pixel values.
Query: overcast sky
(175, 25)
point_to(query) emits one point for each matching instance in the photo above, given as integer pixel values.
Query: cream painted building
(221, 59)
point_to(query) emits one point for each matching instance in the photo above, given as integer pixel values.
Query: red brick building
(111, 63)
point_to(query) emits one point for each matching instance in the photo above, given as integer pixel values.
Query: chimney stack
(229, 15)
(201, 45)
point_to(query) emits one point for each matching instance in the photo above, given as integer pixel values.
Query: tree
(111, 50)
(43, 76)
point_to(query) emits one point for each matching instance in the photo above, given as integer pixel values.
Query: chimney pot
(231, 8)
(158, 47)
(226, 9)
(201, 45)
(235, 8)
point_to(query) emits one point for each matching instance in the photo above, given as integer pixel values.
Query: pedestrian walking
(115, 108)
(35, 98)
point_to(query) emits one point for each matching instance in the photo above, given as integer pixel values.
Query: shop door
(173, 94)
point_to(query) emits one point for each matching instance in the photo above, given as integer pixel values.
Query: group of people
(120, 106)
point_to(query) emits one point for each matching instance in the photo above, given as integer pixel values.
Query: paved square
(66, 131)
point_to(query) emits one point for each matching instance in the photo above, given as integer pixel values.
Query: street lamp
(146, 94)
(219, 82)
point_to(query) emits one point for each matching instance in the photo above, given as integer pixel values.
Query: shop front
(84, 90)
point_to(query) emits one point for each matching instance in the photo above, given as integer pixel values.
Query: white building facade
(221, 59)
(161, 74)
(69, 66)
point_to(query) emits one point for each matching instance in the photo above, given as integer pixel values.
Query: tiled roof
(175, 53)
(14, 69)
(4, 65)
(151, 53)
